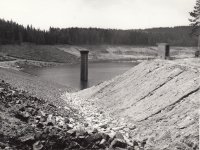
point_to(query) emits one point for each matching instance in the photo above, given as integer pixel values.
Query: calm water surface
(70, 74)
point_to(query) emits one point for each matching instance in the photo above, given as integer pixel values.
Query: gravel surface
(152, 106)
(30, 123)
(36, 87)
(159, 97)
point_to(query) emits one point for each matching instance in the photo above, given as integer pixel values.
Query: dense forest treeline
(13, 33)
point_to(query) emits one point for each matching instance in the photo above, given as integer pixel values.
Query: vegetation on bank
(13, 33)
(195, 23)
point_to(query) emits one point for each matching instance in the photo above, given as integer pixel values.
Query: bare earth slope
(35, 86)
(124, 52)
(160, 97)
(29, 55)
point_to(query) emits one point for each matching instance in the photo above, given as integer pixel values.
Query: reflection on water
(70, 74)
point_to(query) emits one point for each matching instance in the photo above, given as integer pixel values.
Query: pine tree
(195, 22)
(195, 14)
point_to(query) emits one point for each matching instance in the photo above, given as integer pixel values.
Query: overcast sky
(118, 14)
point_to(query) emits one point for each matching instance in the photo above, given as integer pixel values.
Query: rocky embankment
(155, 103)
(20, 64)
(27, 122)
(153, 106)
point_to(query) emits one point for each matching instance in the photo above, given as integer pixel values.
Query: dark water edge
(69, 75)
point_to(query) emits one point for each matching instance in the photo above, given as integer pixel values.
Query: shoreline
(30, 55)
(37, 87)
(21, 64)
(52, 92)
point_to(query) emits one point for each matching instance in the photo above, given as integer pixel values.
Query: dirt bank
(20, 64)
(161, 98)
(29, 55)
(35, 86)
(29, 51)
(125, 52)
(29, 122)
(152, 106)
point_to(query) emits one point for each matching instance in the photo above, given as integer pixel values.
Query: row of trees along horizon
(13, 33)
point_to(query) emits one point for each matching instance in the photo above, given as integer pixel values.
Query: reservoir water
(70, 74)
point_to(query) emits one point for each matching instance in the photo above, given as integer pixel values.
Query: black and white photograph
(99, 74)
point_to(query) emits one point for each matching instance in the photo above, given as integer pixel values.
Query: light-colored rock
(112, 134)
(131, 126)
(103, 143)
(59, 118)
(128, 141)
(70, 125)
(118, 128)
(1, 89)
(67, 108)
(71, 120)
(118, 143)
(43, 113)
(103, 126)
(153, 98)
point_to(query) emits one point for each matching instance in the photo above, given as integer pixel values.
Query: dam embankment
(160, 98)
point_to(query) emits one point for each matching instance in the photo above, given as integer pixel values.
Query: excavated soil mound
(160, 97)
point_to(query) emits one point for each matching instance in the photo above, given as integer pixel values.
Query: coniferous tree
(13, 33)
(195, 21)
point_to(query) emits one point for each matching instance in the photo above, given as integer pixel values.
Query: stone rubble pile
(27, 122)
(95, 119)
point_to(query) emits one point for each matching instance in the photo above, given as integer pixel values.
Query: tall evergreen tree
(13, 33)
(195, 21)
